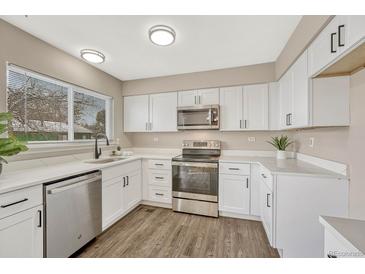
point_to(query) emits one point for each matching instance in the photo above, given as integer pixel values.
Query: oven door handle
(190, 164)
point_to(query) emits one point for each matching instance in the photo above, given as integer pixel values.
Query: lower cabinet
(21, 234)
(266, 195)
(121, 191)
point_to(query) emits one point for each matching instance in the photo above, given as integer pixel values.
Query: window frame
(71, 88)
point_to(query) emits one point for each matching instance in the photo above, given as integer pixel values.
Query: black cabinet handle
(157, 164)
(159, 194)
(287, 120)
(159, 178)
(246, 182)
(340, 27)
(267, 200)
(332, 49)
(233, 168)
(127, 180)
(39, 218)
(123, 181)
(15, 203)
(263, 175)
(331, 256)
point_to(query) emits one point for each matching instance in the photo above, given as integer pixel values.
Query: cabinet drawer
(159, 164)
(119, 170)
(160, 178)
(266, 177)
(159, 194)
(19, 200)
(234, 169)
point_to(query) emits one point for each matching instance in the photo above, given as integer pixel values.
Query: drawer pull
(267, 200)
(157, 164)
(263, 176)
(331, 256)
(159, 178)
(159, 194)
(39, 218)
(11, 204)
(233, 168)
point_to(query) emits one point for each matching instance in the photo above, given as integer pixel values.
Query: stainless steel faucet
(98, 150)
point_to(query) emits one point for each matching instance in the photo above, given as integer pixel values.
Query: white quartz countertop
(34, 176)
(349, 230)
(287, 166)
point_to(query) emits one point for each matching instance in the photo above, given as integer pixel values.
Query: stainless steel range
(195, 178)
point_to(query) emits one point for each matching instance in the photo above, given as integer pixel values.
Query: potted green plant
(9, 146)
(280, 143)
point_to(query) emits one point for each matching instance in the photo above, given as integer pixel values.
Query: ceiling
(202, 42)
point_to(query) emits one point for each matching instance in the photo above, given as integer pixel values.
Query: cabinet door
(274, 106)
(187, 98)
(300, 113)
(234, 194)
(266, 210)
(231, 108)
(286, 101)
(21, 234)
(163, 114)
(132, 191)
(255, 107)
(324, 48)
(255, 189)
(136, 110)
(208, 96)
(112, 201)
(351, 29)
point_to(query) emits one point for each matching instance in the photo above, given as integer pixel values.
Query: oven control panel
(201, 144)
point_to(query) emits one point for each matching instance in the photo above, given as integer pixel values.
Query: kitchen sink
(105, 160)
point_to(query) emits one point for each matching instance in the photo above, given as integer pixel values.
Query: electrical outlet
(251, 139)
(311, 142)
(155, 139)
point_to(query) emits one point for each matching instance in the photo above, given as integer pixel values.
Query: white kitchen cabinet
(198, 97)
(234, 194)
(21, 234)
(121, 191)
(336, 248)
(231, 108)
(274, 106)
(255, 107)
(136, 113)
(132, 193)
(150, 113)
(244, 108)
(266, 195)
(294, 95)
(340, 35)
(255, 184)
(163, 114)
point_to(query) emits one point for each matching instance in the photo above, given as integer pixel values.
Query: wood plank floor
(158, 232)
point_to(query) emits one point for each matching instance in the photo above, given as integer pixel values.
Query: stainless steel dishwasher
(73, 214)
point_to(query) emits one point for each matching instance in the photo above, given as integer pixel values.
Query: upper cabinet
(244, 108)
(198, 97)
(150, 113)
(341, 34)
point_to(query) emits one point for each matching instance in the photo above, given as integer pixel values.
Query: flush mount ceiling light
(162, 35)
(92, 56)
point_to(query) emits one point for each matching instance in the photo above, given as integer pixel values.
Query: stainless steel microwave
(198, 117)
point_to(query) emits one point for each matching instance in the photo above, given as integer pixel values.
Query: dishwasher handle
(73, 185)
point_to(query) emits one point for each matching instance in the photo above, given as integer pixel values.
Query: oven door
(191, 180)
(201, 117)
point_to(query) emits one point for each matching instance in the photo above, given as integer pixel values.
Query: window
(46, 109)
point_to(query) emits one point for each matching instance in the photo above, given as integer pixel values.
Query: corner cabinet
(244, 108)
(150, 113)
(198, 97)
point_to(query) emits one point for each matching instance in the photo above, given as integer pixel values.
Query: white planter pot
(280, 154)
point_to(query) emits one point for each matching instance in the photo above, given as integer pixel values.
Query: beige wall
(305, 32)
(215, 78)
(23, 49)
(345, 144)
(230, 140)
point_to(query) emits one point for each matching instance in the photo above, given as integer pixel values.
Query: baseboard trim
(239, 216)
(326, 164)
